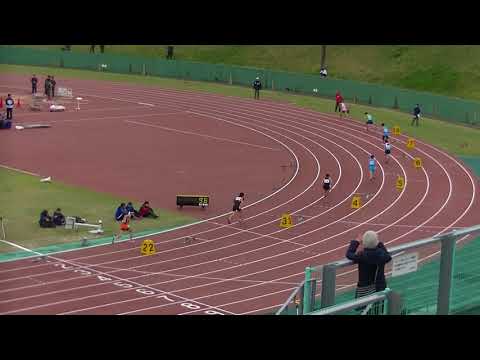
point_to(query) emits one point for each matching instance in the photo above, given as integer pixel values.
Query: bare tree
(324, 54)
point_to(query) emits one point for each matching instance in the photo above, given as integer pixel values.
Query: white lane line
(88, 268)
(297, 169)
(147, 104)
(200, 135)
(361, 171)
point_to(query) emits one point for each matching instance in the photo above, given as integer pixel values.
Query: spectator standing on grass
(34, 81)
(257, 86)
(47, 82)
(416, 115)
(338, 101)
(9, 103)
(92, 48)
(371, 260)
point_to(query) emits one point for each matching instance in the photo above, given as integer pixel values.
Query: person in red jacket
(146, 211)
(338, 100)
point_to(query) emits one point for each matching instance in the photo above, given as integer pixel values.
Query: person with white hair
(371, 258)
(257, 85)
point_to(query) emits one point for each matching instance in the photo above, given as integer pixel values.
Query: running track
(247, 269)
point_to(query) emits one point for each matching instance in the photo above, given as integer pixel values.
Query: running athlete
(124, 227)
(388, 149)
(327, 183)
(386, 133)
(371, 166)
(343, 110)
(369, 119)
(236, 207)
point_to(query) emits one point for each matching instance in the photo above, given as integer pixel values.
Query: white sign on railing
(405, 264)
(66, 92)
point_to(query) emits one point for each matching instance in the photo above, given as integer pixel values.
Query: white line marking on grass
(21, 248)
(18, 170)
(201, 135)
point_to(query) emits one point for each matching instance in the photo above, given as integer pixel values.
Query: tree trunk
(324, 54)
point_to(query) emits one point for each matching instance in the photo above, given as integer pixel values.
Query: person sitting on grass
(58, 217)
(147, 211)
(121, 212)
(46, 220)
(4, 122)
(132, 210)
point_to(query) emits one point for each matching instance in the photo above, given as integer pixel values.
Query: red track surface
(203, 143)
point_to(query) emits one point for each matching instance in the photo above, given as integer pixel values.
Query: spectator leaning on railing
(371, 260)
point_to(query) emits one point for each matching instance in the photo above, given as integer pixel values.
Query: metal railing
(329, 273)
(388, 300)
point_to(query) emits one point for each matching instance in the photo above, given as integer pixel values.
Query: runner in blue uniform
(372, 166)
(236, 207)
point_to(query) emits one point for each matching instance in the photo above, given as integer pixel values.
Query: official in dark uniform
(47, 84)
(34, 84)
(53, 82)
(9, 102)
(257, 85)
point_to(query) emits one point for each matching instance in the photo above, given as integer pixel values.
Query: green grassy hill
(448, 70)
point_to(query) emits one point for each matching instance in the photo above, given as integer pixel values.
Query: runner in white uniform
(388, 149)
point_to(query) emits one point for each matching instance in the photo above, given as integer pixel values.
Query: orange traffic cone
(18, 103)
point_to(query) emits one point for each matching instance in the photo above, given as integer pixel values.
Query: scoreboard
(193, 200)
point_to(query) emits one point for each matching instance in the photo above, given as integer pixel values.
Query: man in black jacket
(47, 84)
(34, 84)
(257, 85)
(416, 115)
(53, 83)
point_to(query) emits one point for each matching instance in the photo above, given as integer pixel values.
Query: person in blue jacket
(121, 212)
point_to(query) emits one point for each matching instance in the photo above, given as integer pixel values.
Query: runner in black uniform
(327, 183)
(236, 207)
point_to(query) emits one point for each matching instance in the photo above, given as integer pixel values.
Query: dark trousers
(9, 114)
(34, 89)
(337, 106)
(53, 91)
(414, 120)
(257, 94)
